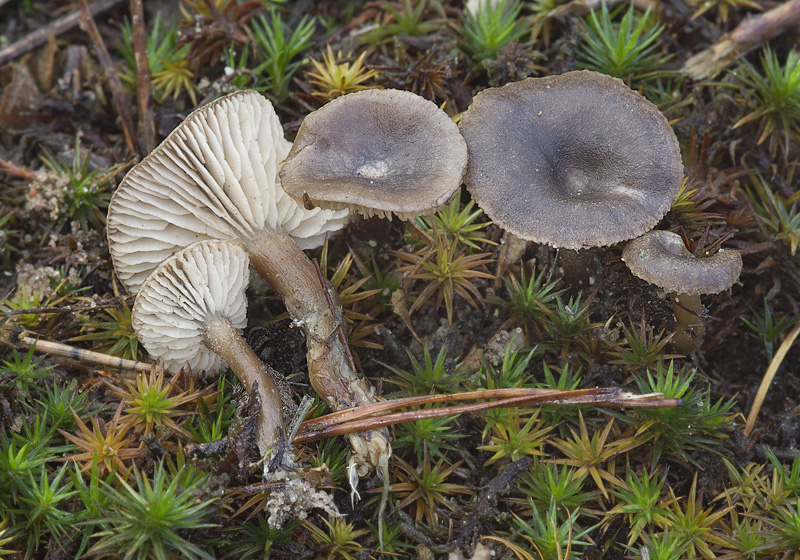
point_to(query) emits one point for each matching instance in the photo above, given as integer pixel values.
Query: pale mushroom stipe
(190, 311)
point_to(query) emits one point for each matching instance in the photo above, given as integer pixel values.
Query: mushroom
(380, 152)
(661, 258)
(215, 177)
(190, 311)
(572, 161)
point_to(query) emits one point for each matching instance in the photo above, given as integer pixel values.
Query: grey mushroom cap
(381, 152)
(205, 280)
(661, 258)
(572, 161)
(214, 177)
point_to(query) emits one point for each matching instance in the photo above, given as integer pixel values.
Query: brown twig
(395, 404)
(747, 35)
(16, 171)
(117, 92)
(363, 418)
(144, 93)
(59, 26)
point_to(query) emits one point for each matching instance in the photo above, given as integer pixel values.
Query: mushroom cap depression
(207, 279)
(214, 177)
(381, 152)
(576, 160)
(661, 258)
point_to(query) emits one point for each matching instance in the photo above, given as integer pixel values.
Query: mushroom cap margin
(661, 258)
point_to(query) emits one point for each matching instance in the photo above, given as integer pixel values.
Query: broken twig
(370, 416)
(59, 26)
(117, 92)
(747, 35)
(81, 355)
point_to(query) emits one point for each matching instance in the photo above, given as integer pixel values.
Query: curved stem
(224, 340)
(688, 326)
(292, 275)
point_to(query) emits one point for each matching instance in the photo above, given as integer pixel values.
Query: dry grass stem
(769, 375)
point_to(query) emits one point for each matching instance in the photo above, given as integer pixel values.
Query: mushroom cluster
(574, 161)
(216, 177)
(581, 160)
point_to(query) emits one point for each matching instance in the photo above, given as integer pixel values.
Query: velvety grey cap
(214, 177)
(207, 279)
(576, 160)
(381, 152)
(661, 258)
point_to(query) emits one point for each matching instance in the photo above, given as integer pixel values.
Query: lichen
(46, 193)
(298, 494)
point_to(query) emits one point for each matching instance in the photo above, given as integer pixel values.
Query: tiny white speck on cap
(373, 170)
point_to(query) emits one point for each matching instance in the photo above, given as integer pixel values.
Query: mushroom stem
(578, 266)
(223, 339)
(289, 272)
(293, 276)
(688, 324)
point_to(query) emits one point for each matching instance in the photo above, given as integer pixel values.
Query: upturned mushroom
(215, 177)
(189, 312)
(381, 152)
(661, 258)
(572, 161)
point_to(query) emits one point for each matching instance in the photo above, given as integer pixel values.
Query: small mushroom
(572, 161)
(216, 177)
(190, 311)
(661, 258)
(381, 152)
